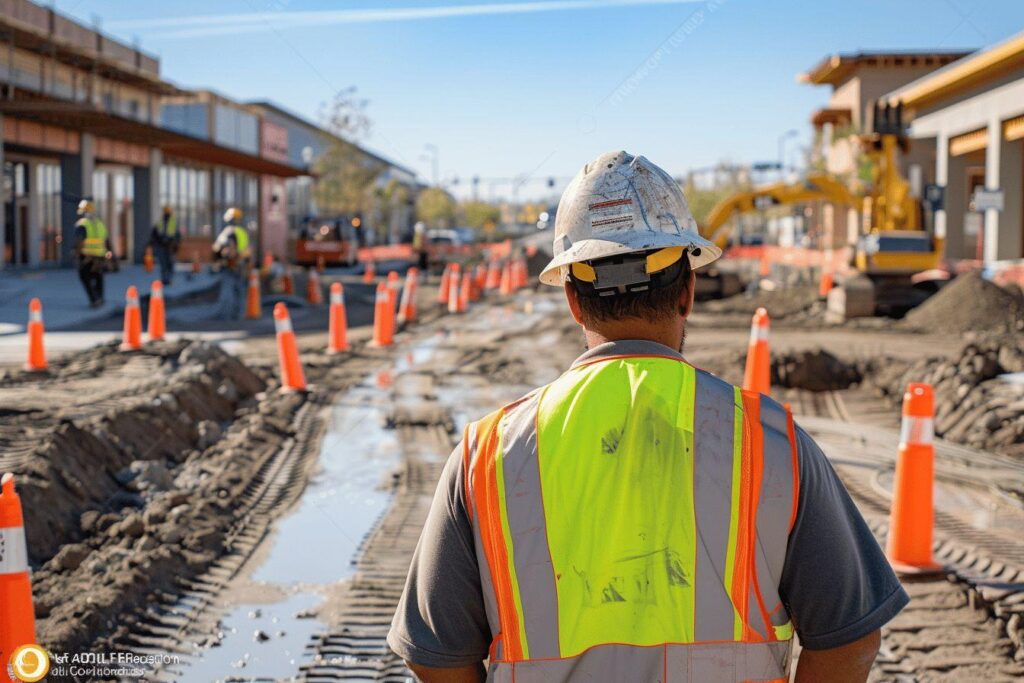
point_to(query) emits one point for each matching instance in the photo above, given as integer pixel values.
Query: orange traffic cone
(132, 338)
(757, 376)
(17, 616)
(454, 290)
(370, 272)
(147, 260)
(825, 286)
(292, 378)
(287, 283)
(337, 330)
(314, 295)
(157, 323)
(407, 309)
(394, 288)
(466, 291)
(479, 280)
(36, 349)
(253, 310)
(493, 275)
(446, 283)
(383, 325)
(505, 288)
(531, 250)
(909, 546)
(268, 263)
(766, 267)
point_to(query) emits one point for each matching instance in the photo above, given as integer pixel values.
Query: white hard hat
(622, 204)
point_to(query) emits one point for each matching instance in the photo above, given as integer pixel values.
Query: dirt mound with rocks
(973, 404)
(969, 302)
(780, 303)
(814, 370)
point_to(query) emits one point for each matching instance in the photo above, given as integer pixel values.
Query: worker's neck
(671, 335)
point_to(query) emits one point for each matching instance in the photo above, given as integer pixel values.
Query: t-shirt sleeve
(441, 620)
(836, 583)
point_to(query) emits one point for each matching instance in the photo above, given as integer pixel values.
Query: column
(942, 180)
(76, 184)
(34, 213)
(995, 142)
(145, 203)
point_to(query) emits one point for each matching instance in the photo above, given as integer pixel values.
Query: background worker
(233, 256)
(419, 245)
(93, 251)
(165, 239)
(638, 519)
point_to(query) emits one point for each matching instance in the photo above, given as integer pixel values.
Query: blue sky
(503, 93)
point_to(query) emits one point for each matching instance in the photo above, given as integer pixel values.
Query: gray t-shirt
(836, 584)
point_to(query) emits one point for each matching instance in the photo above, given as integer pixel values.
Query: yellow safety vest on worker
(169, 227)
(95, 242)
(631, 522)
(241, 241)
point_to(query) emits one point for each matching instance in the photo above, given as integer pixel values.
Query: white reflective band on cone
(13, 553)
(133, 301)
(337, 298)
(917, 430)
(35, 316)
(157, 294)
(758, 333)
(283, 325)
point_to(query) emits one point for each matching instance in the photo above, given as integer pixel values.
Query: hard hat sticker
(608, 216)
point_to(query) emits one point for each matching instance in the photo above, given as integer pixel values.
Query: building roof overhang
(834, 69)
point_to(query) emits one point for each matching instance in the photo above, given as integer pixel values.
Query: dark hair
(655, 304)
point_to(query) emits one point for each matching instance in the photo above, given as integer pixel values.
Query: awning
(968, 142)
(87, 119)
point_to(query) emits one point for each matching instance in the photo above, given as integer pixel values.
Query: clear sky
(514, 87)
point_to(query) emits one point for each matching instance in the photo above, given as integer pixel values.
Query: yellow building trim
(1014, 128)
(982, 66)
(968, 142)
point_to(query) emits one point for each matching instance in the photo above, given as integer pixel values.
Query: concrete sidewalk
(65, 304)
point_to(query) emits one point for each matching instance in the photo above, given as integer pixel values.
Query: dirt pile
(973, 405)
(969, 303)
(814, 370)
(781, 303)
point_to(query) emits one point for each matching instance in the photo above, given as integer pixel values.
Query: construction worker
(233, 255)
(639, 519)
(419, 245)
(93, 251)
(164, 240)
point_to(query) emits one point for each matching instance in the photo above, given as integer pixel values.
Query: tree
(345, 173)
(479, 215)
(435, 207)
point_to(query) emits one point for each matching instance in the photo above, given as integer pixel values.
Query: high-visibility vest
(241, 241)
(169, 226)
(631, 522)
(95, 243)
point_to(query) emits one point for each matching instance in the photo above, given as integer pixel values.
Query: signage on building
(935, 196)
(274, 142)
(984, 200)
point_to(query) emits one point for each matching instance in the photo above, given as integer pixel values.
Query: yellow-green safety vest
(631, 522)
(169, 227)
(95, 243)
(241, 241)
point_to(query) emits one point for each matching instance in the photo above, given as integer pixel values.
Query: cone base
(335, 352)
(130, 347)
(929, 569)
(293, 390)
(36, 368)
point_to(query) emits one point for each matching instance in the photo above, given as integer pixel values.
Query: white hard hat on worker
(623, 204)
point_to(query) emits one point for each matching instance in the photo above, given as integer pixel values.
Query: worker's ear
(573, 299)
(686, 297)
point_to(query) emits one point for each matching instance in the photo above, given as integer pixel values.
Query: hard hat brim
(612, 244)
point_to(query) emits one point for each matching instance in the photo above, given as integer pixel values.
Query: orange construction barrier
(36, 349)
(337, 330)
(287, 283)
(454, 290)
(407, 309)
(370, 273)
(157, 327)
(17, 616)
(766, 267)
(825, 286)
(253, 309)
(909, 546)
(493, 275)
(314, 294)
(292, 377)
(147, 260)
(466, 291)
(757, 376)
(383, 320)
(445, 288)
(505, 288)
(132, 338)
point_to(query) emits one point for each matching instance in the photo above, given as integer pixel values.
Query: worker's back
(635, 502)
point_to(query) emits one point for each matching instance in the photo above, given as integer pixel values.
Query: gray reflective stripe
(13, 554)
(697, 663)
(528, 528)
(775, 504)
(714, 412)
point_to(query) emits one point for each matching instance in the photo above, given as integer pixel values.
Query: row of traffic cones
(459, 288)
(911, 518)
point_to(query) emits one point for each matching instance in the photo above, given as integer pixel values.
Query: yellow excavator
(892, 248)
